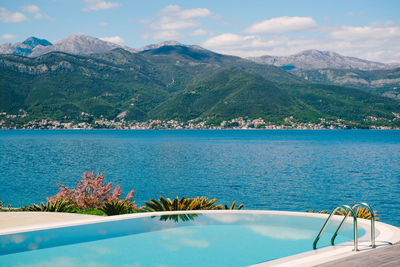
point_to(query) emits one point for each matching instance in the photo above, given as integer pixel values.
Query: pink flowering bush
(92, 193)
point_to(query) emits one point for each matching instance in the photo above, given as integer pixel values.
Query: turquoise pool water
(223, 239)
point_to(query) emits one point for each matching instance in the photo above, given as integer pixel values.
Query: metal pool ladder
(353, 212)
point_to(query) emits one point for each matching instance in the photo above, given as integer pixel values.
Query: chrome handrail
(372, 220)
(347, 208)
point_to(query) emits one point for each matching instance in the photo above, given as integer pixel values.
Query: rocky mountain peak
(77, 44)
(316, 59)
(33, 42)
(166, 43)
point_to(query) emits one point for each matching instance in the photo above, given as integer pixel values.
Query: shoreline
(202, 129)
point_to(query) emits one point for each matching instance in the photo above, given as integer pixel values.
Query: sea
(291, 170)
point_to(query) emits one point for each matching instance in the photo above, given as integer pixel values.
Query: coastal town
(22, 121)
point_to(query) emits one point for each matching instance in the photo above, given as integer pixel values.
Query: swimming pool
(203, 238)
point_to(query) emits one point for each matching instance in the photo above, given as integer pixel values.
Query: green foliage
(166, 204)
(89, 212)
(56, 206)
(232, 207)
(6, 208)
(117, 207)
(179, 217)
(378, 81)
(177, 82)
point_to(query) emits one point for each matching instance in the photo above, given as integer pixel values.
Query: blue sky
(365, 29)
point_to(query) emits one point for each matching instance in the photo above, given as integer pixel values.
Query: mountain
(384, 82)
(230, 93)
(315, 59)
(78, 45)
(25, 48)
(175, 82)
(166, 43)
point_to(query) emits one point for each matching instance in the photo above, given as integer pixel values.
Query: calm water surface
(285, 170)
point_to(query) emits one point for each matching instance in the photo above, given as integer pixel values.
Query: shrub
(232, 207)
(118, 207)
(179, 217)
(4, 208)
(199, 203)
(91, 192)
(165, 204)
(58, 205)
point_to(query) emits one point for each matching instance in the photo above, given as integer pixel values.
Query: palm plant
(232, 207)
(178, 217)
(56, 206)
(166, 204)
(117, 207)
(362, 213)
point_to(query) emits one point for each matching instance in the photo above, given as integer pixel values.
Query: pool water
(222, 239)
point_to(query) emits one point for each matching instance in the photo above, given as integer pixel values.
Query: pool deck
(384, 257)
(19, 220)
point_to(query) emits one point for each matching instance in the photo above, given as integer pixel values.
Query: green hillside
(384, 82)
(228, 94)
(174, 82)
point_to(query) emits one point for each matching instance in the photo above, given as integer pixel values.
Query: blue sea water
(263, 169)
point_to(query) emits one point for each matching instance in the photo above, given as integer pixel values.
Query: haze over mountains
(173, 81)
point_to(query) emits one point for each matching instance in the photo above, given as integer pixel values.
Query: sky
(361, 28)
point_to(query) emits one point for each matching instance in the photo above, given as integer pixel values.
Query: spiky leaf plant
(56, 206)
(362, 213)
(179, 217)
(166, 204)
(232, 207)
(117, 207)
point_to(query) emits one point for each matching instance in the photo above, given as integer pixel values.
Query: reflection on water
(178, 217)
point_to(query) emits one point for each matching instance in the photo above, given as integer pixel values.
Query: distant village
(21, 121)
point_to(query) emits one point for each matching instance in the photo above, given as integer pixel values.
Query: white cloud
(172, 19)
(366, 32)
(169, 23)
(102, 23)
(114, 39)
(94, 5)
(166, 35)
(7, 36)
(199, 32)
(176, 11)
(35, 10)
(282, 25)
(227, 40)
(376, 43)
(7, 16)
(31, 9)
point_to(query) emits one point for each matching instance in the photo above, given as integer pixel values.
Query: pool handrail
(371, 211)
(348, 209)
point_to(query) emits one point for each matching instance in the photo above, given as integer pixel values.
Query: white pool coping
(385, 234)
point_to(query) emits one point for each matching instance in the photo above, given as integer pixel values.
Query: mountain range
(173, 81)
(312, 65)
(315, 59)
